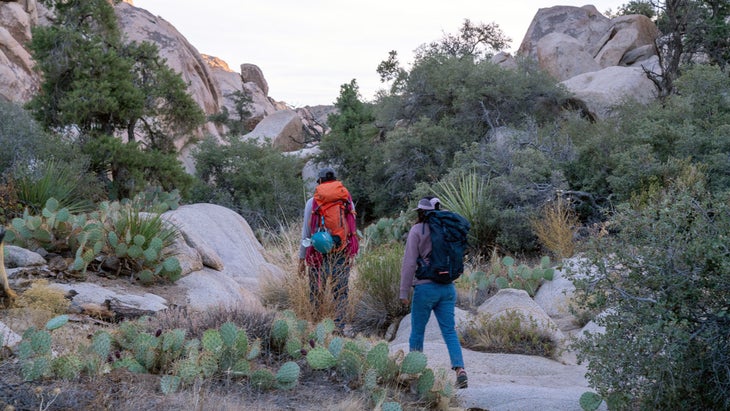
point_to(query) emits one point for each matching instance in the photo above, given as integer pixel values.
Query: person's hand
(405, 301)
(302, 267)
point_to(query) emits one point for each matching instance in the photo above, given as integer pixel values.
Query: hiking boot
(461, 379)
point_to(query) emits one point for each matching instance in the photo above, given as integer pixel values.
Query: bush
(378, 283)
(134, 169)
(663, 285)
(258, 182)
(23, 140)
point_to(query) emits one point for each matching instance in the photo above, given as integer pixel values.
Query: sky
(307, 49)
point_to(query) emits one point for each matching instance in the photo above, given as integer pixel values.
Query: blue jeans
(441, 299)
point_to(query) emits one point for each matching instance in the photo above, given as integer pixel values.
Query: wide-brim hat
(425, 204)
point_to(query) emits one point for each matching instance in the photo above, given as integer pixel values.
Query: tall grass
(291, 291)
(556, 228)
(377, 287)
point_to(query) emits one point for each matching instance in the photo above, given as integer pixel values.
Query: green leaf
(590, 401)
(63, 215)
(151, 255)
(121, 250)
(113, 239)
(549, 274)
(42, 235)
(545, 262)
(34, 222)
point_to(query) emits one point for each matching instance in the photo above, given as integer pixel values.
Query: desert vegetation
(641, 195)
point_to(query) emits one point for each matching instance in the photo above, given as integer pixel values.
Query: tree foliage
(692, 30)
(352, 147)
(258, 182)
(662, 285)
(95, 82)
(95, 85)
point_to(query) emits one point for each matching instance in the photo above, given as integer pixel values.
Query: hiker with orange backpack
(329, 241)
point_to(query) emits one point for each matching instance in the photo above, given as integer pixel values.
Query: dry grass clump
(556, 228)
(377, 287)
(41, 296)
(291, 291)
(256, 323)
(511, 333)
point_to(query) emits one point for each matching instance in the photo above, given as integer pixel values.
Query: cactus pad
(320, 358)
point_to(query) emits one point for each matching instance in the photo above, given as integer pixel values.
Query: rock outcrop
(600, 60)
(18, 80)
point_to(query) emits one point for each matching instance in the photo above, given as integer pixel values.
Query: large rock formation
(18, 80)
(600, 60)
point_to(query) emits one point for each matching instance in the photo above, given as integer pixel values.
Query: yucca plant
(469, 197)
(36, 184)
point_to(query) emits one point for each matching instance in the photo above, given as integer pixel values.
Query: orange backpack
(330, 208)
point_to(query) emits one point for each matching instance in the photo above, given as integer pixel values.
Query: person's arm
(409, 265)
(306, 233)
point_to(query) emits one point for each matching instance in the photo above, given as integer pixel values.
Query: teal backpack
(449, 233)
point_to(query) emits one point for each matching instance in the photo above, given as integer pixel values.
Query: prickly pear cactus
(187, 369)
(323, 330)
(288, 375)
(349, 365)
(370, 379)
(208, 363)
(279, 332)
(414, 363)
(293, 347)
(590, 401)
(101, 344)
(212, 341)
(391, 406)
(169, 384)
(262, 380)
(129, 363)
(319, 358)
(254, 350)
(336, 345)
(67, 367)
(241, 368)
(425, 383)
(377, 357)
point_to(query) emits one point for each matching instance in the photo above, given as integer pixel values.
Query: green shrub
(258, 182)
(378, 279)
(663, 285)
(23, 141)
(127, 168)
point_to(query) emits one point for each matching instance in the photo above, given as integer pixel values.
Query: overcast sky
(308, 48)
